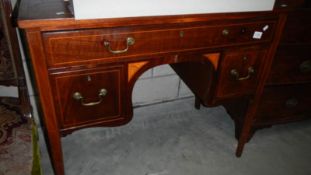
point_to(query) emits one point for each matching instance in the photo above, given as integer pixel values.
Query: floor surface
(176, 139)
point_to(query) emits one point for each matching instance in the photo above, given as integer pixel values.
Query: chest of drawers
(287, 93)
(85, 70)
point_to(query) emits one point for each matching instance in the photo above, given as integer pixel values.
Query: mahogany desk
(85, 70)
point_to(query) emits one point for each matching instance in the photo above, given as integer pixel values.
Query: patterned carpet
(15, 143)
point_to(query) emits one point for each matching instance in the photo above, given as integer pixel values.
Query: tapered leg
(197, 103)
(50, 119)
(246, 129)
(53, 142)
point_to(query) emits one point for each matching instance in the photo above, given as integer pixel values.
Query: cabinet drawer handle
(78, 96)
(305, 66)
(129, 42)
(291, 103)
(237, 77)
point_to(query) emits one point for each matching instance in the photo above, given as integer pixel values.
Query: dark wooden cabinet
(287, 94)
(282, 104)
(291, 65)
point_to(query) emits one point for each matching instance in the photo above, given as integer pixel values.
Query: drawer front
(292, 64)
(88, 97)
(285, 103)
(78, 46)
(239, 72)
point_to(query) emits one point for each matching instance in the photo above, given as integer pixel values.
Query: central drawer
(107, 44)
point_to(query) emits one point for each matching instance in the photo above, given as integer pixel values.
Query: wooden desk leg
(242, 141)
(53, 142)
(52, 133)
(251, 111)
(246, 128)
(197, 103)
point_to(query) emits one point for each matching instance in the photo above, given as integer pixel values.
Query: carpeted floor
(15, 143)
(175, 139)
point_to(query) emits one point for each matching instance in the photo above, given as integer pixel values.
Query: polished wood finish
(240, 60)
(133, 68)
(214, 84)
(70, 56)
(80, 46)
(72, 113)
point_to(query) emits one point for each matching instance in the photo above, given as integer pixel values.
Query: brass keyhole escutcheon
(89, 79)
(181, 34)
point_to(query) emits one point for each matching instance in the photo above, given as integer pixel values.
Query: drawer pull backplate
(78, 96)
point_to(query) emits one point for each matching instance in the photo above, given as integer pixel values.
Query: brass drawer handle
(305, 67)
(291, 103)
(129, 42)
(237, 77)
(78, 96)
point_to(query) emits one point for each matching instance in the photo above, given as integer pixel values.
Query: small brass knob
(77, 96)
(225, 32)
(103, 92)
(181, 34)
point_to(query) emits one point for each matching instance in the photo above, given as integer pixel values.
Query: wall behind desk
(159, 84)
